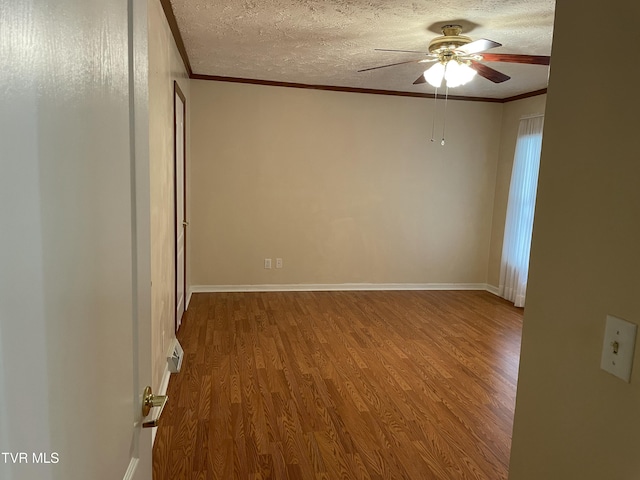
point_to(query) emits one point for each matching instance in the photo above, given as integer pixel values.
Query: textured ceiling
(325, 42)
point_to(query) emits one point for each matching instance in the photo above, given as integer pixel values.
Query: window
(514, 267)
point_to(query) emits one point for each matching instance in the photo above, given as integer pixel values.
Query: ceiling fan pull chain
(444, 116)
(433, 125)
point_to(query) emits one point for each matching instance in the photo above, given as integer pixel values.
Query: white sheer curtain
(514, 267)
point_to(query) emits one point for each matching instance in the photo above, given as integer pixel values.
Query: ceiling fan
(458, 59)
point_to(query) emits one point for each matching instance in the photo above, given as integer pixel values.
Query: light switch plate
(617, 349)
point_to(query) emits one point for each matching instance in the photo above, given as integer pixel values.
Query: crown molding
(173, 26)
(333, 88)
(535, 93)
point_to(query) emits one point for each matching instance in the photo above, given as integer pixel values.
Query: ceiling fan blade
(489, 73)
(420, 80)
(402, 51)
(513, 58)
(393, 64)
(478, 46)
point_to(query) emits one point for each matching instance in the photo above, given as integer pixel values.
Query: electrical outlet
(278, 263)
(267, 263)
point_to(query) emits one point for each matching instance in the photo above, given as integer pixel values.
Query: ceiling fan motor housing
(450, 40)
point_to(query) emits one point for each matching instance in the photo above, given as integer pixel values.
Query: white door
(181, 223)
(74, 240)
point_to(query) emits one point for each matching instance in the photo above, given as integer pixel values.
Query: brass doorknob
(149, 400)
(185, 223)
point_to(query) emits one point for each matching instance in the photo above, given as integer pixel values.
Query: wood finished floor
(342, 385)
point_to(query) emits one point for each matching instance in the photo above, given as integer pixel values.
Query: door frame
(177, 92)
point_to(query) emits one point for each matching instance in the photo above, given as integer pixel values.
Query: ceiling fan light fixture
(457, 74)
(435, 74)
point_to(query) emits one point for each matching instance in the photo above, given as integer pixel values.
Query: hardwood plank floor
(342, 385)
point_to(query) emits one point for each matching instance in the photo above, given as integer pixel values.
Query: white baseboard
(164, 385)
(189, 293)
(131, 470)
(493, 289)
(332, 287)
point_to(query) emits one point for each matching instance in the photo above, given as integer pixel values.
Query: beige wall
(165, 66)
(573, 420)
(511, 114)
(346, 188)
